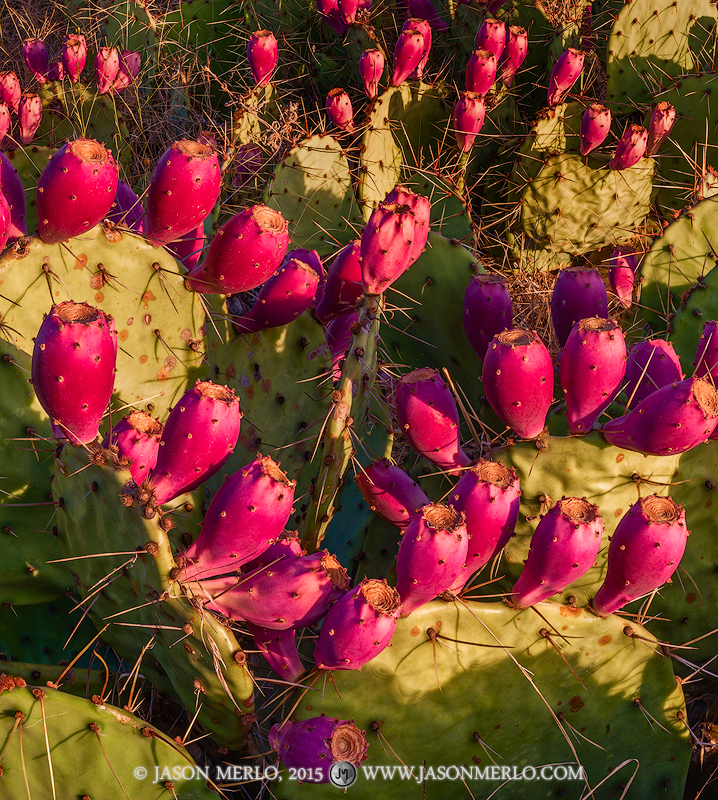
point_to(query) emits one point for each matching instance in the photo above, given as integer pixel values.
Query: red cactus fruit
(630, 148)
(595, 127)
(137, 438)
(29, 116)
(263, 54)
(468, 118)
(408, 53)
(660, 126)
(107, 65)
(371, 69)
(390, 492)
(74, 55)
(564, 74)
(492, 36)
(279, 649)
(10, 90)
(481, 72)
(339, 110)
(651, 365)
(514, 54)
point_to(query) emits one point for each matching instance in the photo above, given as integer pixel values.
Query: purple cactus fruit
(243, 254)
(431, 555)
(339, 110)
(518, 380)
(669, 421)
(4, 221)
(595, 127)
(429, 420)
(5, 120)
(263, 54)
(645, 550)
(593, 364)
(55, 72)
(371, 69)
(468, 119)
(246, 515)
(199, 436)
(514, 54)
(313, 745)
(491, 36)
(76, 190)
(185, 186)
(706, 363)
(329, 9)
(622, 267)
(107, 65)
(390, 492)
(35, 56)
(338, 335)
(489, 496)
(563, 547)
(578, 293)
(11, 189)
(487, 311)
(10, 90)
(127, 209)
(127, 74)
(650, 366)
(662, 121)
(137, 438)
(247, 164)
(425, 9)
(74, 55)
(287, 545)
(386, 246)
(630, 148)
(481, 72)
(408, 53)
(29, 116)
(358, 626)
(279, 649)
(189, 248)
(564, 74)
(73, 369)
(343, 286)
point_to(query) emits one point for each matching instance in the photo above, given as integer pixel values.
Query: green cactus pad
(437, 697)
(131, 26)
(699, 304)
(450, 215)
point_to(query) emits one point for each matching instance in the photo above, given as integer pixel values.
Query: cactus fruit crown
(70, 312)
(578, 510)
(494, 473)
(419, 375)
(193, 149)
(597, 324)
(706, 396)
(382, 598)
(271, 468)
(216, 392)
(348, 743)
(269, 220)
(442, 518)
(89, 151)
(515, 337)
(335, 571)
(142, 422)
(663, 510)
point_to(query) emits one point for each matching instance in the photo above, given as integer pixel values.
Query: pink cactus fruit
(408, 53)
(287, 545)
(74, 55)
(595, 127)
(137, 439)
(189, 248)
(662, 120)
(431, 555)
(468, 118)
(423, 26)
(127, 209)
(76, 190)
(358, 626)
(343, 286)
(35, 56)
(5, 120)
(669, 421)
(55, 71)
(10, 90)
(243, 254)
(11, 189)
(425, 9)
(563, 547)
(518, 380)
(329, 9)
(565, 73)
(651, 365)
(107, 65)
(339, 335)
(420, 207)
(371, 69)
(706, 363)
(348, 11)
(630, 148)
(514, 54)
(492, 36)
(247, 164)
(279, 649)
(73, 369)
(578, 293)
(645, 550)
(622, 267)
(429, 419)
(489, 496)
(199, 436)
(390, 492)
(127, 74)
(29, 116)
(4, 221)
(487, 311)
(314, 744)
(263, 55)
(387, 244)
(185, 186)
(481, 72)
(339, 110)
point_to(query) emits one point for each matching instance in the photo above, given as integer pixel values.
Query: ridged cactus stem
(348, 411)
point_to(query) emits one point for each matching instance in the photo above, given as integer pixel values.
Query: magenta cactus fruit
(371, 69)
(199, 436)
(279, 649)
(514, 54)
(595, 127)
(651, 365)
(563, 547)
(339, 110)
(74, 55)
(76, 190)
(660, 125)
(107, 65)
(314, 744)
(343, 286)
(5, 120)
(669, 421)
(185, 186)
(247, 164)
(73, 369)
(127, 74)
(431, 555)
(127, 209)
(491, 36)
(338, 335)
(243, 254)
(11, 189)
(35, 56)
(358, 626)
(10, 90)
(408, 53)
(189, 248)
(429, 420)
(518, 380)
(420, 207)
(287, 545)
(55, 71)
(564, 74)
(390, 492)
(487, 311)
(468, 118)
(4, 221)
(425, 9)
(262, 54)
(329, 9)
(348, 11)
(645, 550)
(481, 72)
(622, 267)
(706, 363)
(29, 116)
(630, 148)
(423, 26)
(593, 364)
(578, 293)
(137, 439)
(489, 496)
